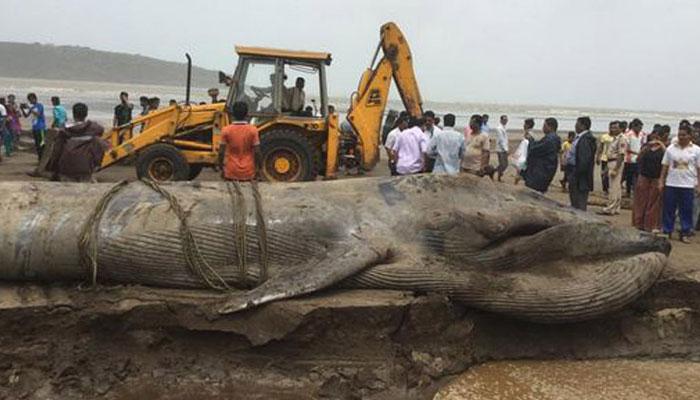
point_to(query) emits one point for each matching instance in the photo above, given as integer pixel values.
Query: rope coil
(238, 209)
(196, 263)
(261, 227)
(87, 245)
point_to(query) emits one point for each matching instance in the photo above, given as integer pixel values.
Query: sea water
(102, 97)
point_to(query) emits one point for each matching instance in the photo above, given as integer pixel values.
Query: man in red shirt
(239, 152)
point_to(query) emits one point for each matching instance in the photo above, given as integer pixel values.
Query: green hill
(42, 61)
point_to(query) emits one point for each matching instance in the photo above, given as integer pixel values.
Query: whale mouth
(475, 237)
(565, 272)
(528, 247)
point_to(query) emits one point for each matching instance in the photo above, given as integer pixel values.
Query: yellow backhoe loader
(299, 138)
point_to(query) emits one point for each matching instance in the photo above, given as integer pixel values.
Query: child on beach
(564, 155)
(4, 132)
(519, 157)
(13, 114)
(59, 113)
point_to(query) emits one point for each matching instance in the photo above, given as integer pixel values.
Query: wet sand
(577, 380)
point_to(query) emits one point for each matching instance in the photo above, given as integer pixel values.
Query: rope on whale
(261, 227)
(238, 209)
(197, 264)
(193, 257)
(87, 245)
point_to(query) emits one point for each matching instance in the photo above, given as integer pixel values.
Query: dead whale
(493, 247)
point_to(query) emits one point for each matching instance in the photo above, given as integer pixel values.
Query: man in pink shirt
(467, 133)
(410, 148)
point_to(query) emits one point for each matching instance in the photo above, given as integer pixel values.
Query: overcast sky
(637, 54)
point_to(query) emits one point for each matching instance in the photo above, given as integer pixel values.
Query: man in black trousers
(543, 157)
(580, 164)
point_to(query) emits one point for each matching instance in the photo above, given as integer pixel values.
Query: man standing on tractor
(214, 94)
(122, 112)
(240, 158)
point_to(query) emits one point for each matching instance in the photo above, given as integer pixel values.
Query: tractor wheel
(288, 156)
(195, 170)
(162, 162)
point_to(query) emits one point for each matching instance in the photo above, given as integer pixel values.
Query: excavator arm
(369, 102)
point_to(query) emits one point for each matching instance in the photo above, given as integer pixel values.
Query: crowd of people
(78, 148)
(658, 172)
(77, 140)
(123, 112)
(11, 113)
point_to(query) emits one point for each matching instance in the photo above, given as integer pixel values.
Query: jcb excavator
(299, 141)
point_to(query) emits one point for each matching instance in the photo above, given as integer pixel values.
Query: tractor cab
(287, 100)
(280, 83)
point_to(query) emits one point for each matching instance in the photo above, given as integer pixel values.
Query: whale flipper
(346, 259)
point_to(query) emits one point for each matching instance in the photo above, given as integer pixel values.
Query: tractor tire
(162, 162)
(288, 156)
(195, 170)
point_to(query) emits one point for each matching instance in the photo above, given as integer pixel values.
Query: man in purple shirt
(410, 148)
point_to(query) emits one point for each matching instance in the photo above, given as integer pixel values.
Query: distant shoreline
(102, 96)
(428, 104)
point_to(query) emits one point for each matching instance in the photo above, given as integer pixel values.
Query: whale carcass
(490, 246)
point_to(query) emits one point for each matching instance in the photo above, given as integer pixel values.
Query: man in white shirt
(295, 97)
(401, 124)
(3, 112)
(410, 148)
(447, 148)
(4, 131)
(502, 146)
(696, 204)
(485, 128)
(679, 182)
(633, 145)
(519, 158)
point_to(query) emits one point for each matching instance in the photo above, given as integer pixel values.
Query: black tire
(195, 170)
(288, 156)
(162, 162)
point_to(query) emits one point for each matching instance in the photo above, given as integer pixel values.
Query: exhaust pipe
(189, 78)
